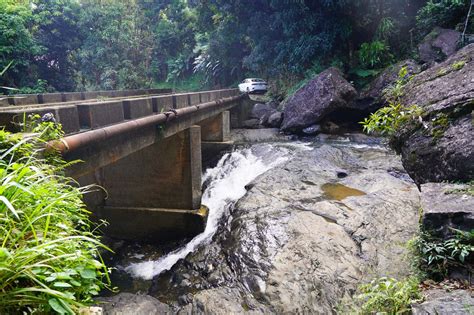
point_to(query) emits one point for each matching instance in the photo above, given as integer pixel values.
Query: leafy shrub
(388, 296)
(388, 120)
(375, 54)
(435, 257)
(49, 257)
(443, 13)
(386, 28)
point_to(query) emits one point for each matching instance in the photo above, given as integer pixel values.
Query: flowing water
(282, 215)
(225, 185)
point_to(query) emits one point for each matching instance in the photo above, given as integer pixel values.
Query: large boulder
(324, 94)
(438, 45)
(441, 147)
(372, 97)
(457, 302)
(446, 207)
(261, 110)
(275, 119)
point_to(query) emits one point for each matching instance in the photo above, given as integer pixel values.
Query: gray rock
(441, 147)
(312, 130)
(251, 123)
(303, 237)
(275, 119)
(260, 110)
(458, 302)
(132, 304)
(324, 94)
(446, 206)
(330, 127)
(371, 98)
(438, 45)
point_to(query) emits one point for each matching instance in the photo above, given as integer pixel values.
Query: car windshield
(257, 80)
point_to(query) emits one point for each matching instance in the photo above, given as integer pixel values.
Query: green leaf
(62, 285)
(56, 306)
(4, 253)
(88, 274)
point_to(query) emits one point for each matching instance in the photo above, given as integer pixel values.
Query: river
(293, 226)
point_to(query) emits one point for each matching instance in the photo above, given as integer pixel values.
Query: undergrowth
(194, 83)
(388, 296)
(49, 253)
(435, 257)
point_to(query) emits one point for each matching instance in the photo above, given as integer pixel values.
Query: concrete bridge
(144, 148)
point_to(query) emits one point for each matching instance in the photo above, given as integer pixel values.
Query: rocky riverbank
(334, 215)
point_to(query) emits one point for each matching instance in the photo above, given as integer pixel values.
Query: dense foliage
(69, 45)
(436, 257)
(49, 257)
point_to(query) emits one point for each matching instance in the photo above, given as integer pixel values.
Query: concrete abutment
(153, 194)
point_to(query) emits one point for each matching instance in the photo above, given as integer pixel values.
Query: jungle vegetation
(72, 45)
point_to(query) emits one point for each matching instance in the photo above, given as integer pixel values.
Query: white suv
(253, 85)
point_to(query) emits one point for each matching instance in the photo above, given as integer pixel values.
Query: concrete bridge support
(217, 128)
(155, 193)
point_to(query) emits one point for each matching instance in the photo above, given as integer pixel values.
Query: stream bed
(294, 227)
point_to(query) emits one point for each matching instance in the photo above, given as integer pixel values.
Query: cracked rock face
(441, 148)
(323, 95)
(304, 237)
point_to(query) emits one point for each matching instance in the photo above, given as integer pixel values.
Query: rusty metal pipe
(73, 142)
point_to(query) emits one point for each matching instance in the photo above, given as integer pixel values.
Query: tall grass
(49, 255)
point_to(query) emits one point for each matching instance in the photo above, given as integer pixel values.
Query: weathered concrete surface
(95, 115)
(67, 115)
(23, 99)
(162, 103)
(457, 302)
(447, 206)
(180, 100)
(104, 153)
(136, 108)
(216, 128)
(164, 175)
(152, 225)
(50, 98)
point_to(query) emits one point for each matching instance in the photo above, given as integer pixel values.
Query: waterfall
(225, 185)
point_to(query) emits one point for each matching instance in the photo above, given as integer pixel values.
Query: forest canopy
(68, 45)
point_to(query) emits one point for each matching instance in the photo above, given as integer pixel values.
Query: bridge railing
(49, 98)
(85, 114)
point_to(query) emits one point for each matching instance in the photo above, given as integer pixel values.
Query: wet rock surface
(457, 302)
(132, 304)
(305, 235)
(441, 148)
(324, 94)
